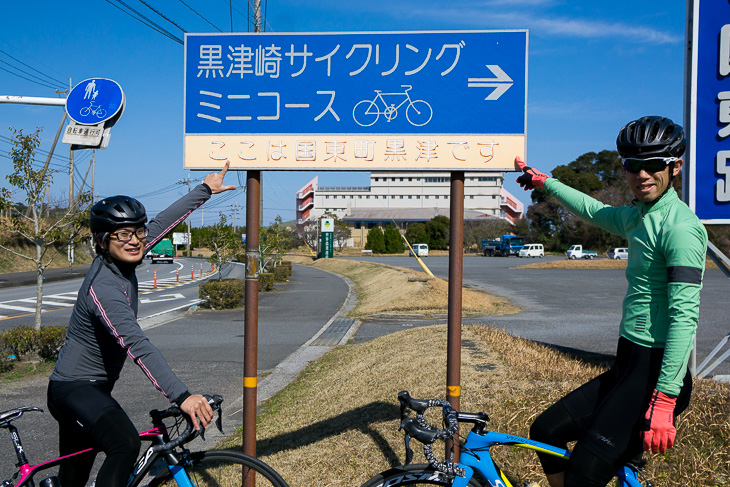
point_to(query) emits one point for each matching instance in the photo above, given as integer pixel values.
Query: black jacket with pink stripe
(103, 330)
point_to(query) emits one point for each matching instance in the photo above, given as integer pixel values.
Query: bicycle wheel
(414, 474)
(365, 113)
(419, 113)
(223, 468)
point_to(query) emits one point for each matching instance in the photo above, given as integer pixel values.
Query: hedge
(21, 341)
(223, 294)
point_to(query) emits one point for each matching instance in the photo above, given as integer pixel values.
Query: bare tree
(47, 229)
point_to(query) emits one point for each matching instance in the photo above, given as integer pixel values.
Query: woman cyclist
(103, 331)
(631, 407)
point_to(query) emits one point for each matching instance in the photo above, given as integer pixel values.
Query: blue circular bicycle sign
(94, 100)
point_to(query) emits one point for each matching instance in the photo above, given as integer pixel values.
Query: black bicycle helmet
(116, 211)
(651, 137)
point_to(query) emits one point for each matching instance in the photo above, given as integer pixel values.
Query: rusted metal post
(251, 319)
(456, 271)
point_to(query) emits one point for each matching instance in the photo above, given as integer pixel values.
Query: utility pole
(235, 215)
(187, 239)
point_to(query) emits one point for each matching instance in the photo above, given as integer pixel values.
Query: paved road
(206, 351)
(579, 309)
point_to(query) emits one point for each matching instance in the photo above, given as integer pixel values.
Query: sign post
(326, 239)
(398, 101)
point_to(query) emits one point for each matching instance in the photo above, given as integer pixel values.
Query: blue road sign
(94, 100)
(709, 188)
(461, 82)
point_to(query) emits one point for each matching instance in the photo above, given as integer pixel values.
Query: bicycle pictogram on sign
(367, 112)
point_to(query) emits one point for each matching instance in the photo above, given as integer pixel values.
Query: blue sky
(593, 66)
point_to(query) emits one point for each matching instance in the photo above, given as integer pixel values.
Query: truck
(577, 252)
(164, 251)
(504, 246)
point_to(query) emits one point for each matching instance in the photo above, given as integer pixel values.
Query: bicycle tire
(365, 114)
(414, 474)
(222, 468)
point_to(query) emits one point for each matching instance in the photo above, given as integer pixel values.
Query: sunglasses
(126, 235)
(652, 165)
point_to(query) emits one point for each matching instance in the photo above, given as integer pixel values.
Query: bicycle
(418, 112)
(94, 110)
(476, 467)
(165, 461)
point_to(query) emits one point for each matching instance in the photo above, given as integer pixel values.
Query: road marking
(16, 308)
(70, 296)
(44, 302)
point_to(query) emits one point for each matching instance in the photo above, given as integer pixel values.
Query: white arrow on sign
(501, 82)
(163, 297)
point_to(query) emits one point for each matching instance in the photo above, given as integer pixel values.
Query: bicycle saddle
(7, 416)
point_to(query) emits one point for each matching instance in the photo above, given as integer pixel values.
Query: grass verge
(336, 424)
(386, 289)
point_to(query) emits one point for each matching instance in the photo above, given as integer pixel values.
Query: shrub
(287, 265)
(224, 294)
(15, 343)
(266, 282)
(49, 340)
(281, 274)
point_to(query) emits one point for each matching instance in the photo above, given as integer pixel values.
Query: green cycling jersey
(667, 248)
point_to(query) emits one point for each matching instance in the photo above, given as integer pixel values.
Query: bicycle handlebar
(189, 433)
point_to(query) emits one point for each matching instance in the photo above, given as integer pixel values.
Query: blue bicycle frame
(470, 460)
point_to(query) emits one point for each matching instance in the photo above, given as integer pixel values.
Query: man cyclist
(632, 406)
(103, 331)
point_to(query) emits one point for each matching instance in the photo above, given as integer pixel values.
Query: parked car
(421, 250)
(532, 250)
(618, 253)
(577, 252)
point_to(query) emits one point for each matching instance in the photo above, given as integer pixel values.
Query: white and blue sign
(709, 189)
(94, 101)
(463, 82)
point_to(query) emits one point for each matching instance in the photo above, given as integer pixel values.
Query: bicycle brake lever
(219, 421)
(409, 452)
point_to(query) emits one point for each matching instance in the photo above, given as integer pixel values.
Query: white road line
(16, 308)
(49, 303)
(70, 296)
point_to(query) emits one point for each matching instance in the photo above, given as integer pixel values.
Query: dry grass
(589, 264)
(337, 423)
(13, 263)
(386, 289)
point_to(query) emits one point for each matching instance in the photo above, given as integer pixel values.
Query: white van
(532, 250)
(421, 250)
(618, 253)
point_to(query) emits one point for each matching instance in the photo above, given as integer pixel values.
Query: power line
(63, 84)
(139, 17)
(27, 79)
(196, 13)
(161, 15)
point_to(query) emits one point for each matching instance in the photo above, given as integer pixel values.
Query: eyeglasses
(651, 165)
(126, 235)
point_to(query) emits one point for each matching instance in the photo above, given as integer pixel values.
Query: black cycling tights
(605, 416)
(89, 417)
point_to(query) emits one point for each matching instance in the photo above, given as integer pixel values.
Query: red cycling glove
(532, 178)
(660, 431)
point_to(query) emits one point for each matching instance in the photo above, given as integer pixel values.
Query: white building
(407, 197)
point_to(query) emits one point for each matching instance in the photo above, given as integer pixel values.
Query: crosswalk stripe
(16, 308)
(71, 297)
(45, 302)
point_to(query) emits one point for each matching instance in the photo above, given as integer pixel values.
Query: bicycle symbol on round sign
(367, 112)
(94, 110)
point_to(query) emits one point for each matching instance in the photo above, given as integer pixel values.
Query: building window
(327, 197)
(392, 179)
(425, 197)
(375, 179)
(410, 197)
(471, 197)
(392, 197)
(358, 225)
(438, 179)
(410, 179)
(436, 197)
(367, 196)
(401, 196)
(401, 179)
(418, 196)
